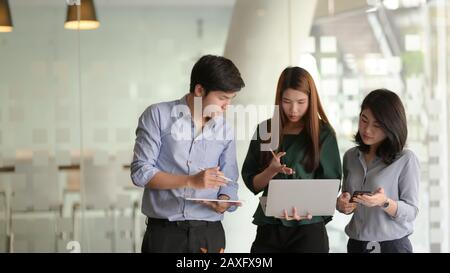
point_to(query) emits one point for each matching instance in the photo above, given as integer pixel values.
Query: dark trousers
(402, 245)
(312, 238)
(162, 236)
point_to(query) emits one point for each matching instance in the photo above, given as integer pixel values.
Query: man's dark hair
(388, 110)
(216, 73)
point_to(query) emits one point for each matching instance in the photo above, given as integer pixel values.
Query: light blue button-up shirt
(166, 141)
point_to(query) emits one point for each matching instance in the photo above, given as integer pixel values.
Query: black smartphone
(356, 193)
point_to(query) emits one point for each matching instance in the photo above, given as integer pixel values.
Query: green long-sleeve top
(295, 148)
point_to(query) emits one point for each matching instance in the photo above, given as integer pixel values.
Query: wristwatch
(386, 203)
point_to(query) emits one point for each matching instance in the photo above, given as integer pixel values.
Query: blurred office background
(70, 100)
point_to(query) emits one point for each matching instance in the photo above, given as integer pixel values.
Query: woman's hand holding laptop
(295, 215)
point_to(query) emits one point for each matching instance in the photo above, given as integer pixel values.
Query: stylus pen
(223, 177)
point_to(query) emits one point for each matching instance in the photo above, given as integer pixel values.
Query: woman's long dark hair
(299, 79)
(388, 110)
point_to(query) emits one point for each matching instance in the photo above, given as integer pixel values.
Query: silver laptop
(314, 196)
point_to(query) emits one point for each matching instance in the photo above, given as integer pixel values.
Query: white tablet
(314, 196)
(213, 200)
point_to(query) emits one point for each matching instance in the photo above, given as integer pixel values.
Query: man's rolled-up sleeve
(228, 165)
(146, 148)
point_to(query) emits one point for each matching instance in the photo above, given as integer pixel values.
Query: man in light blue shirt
(185, 149)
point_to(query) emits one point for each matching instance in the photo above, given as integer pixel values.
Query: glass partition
(76, 75)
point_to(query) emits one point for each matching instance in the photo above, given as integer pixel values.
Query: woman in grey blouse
(381, 179)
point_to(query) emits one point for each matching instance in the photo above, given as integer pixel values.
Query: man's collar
(188, 114)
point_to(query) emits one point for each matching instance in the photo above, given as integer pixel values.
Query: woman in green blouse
(306, 149)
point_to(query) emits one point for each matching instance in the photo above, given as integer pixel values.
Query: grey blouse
(400, 181)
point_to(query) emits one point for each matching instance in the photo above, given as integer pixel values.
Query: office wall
(139, 56)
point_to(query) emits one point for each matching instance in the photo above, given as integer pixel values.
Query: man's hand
(220, 207)
(207, 179)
